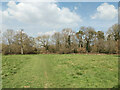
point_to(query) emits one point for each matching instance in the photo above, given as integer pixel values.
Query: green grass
(60, 71)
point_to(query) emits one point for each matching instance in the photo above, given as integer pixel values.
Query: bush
(65, 51)
(81, 50)
(5, 50)
(52, 49)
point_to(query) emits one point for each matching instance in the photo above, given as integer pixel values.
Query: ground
(59, 71)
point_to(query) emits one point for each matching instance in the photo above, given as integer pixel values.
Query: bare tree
(8, 38)
(57, 40)
(44, 41)
(24, 41)
(114, 32)
(67, 33)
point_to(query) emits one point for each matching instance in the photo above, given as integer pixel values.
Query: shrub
(81, 50)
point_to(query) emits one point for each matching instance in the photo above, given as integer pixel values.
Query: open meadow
(59, 71)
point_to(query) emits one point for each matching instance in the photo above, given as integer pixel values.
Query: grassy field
(60, 71)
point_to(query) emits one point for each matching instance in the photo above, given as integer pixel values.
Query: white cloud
(75, 8)
(37, 0)
(46, 14)
(47, 33)
(18, 31)
(0, 16)
(105, 12)
(0, 21)
(119, 15)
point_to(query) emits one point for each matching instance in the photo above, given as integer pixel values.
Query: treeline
(86, 40)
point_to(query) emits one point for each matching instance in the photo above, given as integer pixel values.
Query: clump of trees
(86, 40)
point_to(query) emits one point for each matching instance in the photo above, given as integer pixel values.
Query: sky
(38, 18)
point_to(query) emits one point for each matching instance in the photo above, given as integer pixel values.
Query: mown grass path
(33, 74)
(60, 71)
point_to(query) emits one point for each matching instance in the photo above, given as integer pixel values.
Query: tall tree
(67, 33)
(79, 36)
(57, 39)
(112, 38)
(89, 36)
(8, 38)
(100, 41)
(114, 32)
(22, 40)
(100, 35)
(44, 41)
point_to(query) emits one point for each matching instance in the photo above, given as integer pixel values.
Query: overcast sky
(49, 17)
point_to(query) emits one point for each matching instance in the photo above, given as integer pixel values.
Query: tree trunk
(22, 50)
(9, 49)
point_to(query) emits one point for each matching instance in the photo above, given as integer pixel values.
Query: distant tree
(100, 35)
(112, 39)
(79, 36)
(67, 33)
(57, 40)
(19, 39)
(89, 36)
(23, 42)
(114, 32)
(44, 41)
(8, 39)
(100, 41)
